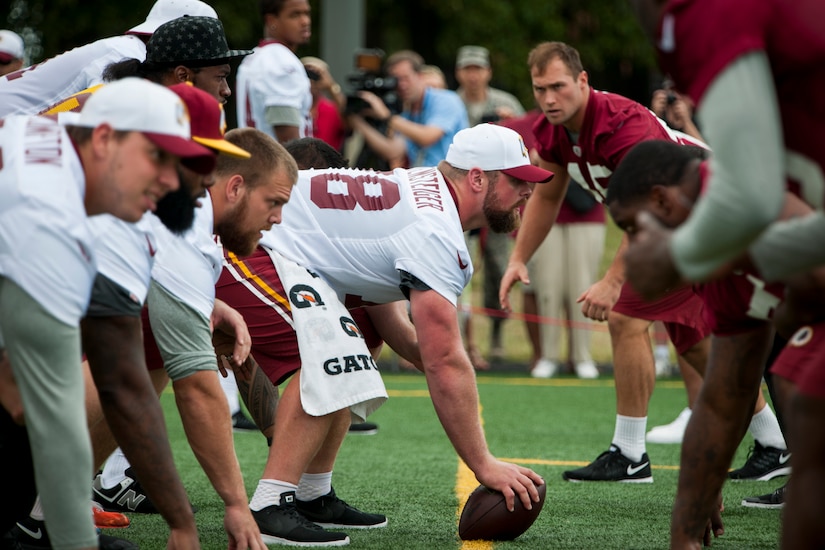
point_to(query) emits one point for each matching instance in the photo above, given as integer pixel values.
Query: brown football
(485, 516)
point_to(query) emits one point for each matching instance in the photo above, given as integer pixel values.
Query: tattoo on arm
(260, 396)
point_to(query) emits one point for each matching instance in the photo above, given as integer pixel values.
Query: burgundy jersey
(698, 39)
(612, 125)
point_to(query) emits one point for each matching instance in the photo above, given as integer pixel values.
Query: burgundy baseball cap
(206, 117)
(137, 105)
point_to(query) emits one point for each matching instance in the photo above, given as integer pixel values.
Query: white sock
(765, 429)
(230, 390)
(115, 469)
(630, 436)
(37, 510)
(313, 486)
(269, 493)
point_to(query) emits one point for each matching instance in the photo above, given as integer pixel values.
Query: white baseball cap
(491, 147)
(166, 10)
(11, 46)
(137, 105)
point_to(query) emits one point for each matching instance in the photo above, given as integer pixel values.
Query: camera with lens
(370, 78)
(671, 98)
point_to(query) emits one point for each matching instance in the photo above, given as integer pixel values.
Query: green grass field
(409, 472)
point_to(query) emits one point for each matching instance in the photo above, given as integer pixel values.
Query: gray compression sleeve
(740, 119)
(790, 247)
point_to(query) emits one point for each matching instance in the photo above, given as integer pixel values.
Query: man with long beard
(353, 238)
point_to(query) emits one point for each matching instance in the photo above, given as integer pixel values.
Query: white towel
(337, 370)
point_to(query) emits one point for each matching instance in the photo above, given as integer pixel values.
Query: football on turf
(485, 516)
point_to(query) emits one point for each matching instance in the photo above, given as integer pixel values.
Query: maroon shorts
(680, 311)
(252, 286)
(802, 361)
(739, 303)
(154, 361)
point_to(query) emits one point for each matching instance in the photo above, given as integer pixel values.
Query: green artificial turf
(408, 471)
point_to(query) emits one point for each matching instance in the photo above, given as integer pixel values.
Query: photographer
(428, 121)
(675, 109)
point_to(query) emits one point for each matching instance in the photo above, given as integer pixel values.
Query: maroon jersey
(612, 125)
(698, 39)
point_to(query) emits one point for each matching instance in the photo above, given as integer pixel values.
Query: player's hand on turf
(242, 530)
(183, 539)
(229, 321)
(599, 299)
(516, 272)
(648, 262)
(715, 525)
(513, 481)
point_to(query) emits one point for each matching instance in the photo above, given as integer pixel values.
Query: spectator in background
(562, 268)
(327, 103)
(273, 87)
(11, 52)
(433, 77)
(426, 126)
(486, 104)
(675, 109)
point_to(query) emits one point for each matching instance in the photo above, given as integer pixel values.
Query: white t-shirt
(189, 265)
(272, 76)
(125, 252)
(358, 229)
(45, 244)
(36, 88)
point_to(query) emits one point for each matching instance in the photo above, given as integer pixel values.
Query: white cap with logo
(166, 10)
(137, 105)
(11, 46)
(492, 147)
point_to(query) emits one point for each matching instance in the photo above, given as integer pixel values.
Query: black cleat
(771, 501)
(282, 524)
(763, 464)
(363, 428)
(612, 465)
(30, 534)
(331, 511)
(242, 423)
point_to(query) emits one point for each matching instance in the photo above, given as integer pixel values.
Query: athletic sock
(313, 486)
(37, 510)
(114, 471)
(630, 436)
(764, 428)
(269, 493)
(230, 390)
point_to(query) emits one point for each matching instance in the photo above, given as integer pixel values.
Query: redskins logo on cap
(181, 113)
(223, 119)
(523, 148)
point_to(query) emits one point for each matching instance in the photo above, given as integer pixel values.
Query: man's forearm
(205, 416)
(790, 247)
(114, 349)
(719, 420)
(747, 186)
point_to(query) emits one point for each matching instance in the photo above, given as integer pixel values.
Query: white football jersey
(189, 265)
(34, 89)
(358, 229)
(45, 244)
(272, 76)
(125, 252)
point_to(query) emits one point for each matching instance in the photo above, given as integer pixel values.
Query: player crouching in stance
(119, 157)
(353, 238)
